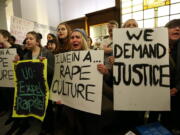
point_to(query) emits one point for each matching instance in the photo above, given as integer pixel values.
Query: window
(98, 31)
(150, 13)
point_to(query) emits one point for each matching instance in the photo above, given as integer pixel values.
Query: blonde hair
(125, 24)
(84, 41)
(113, 22)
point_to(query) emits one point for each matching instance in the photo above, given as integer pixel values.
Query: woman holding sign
(78, 42)
(36, 51)
(172, 119)
(33, 44)
(7, 93)
(85, 123)
(63, 37)
(120, 117)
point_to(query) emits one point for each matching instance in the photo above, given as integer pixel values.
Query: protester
(33, 44)
(52, 46)
(131, 23)
(107, 119)
(37, 52)
(8, 93)
(51, 36)
(12, 40)
(120, 117)
(107, 42)
(78, 40)
(63, 33)
(171, 119)
(84, 123)
(39, 36)
(63, 37)
(167, 118)
(136, 116)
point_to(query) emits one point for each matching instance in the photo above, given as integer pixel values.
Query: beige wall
(3, 22)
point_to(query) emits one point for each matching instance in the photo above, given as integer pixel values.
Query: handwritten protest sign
(77, 82)
(6, 67)
(31, 89)
(19, 27)
(141, 69)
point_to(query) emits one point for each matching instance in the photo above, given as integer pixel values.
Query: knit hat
(173, 23)
(82, 32)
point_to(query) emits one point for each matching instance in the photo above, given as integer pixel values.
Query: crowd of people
(76, 122)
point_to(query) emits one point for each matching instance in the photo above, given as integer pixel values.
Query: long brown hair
(37, 37)
(64, 44)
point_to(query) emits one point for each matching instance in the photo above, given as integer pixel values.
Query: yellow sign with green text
(31, 89)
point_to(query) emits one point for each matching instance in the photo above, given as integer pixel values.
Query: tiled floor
(33, 130)
(35, 127)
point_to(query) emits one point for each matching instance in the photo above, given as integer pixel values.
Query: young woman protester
(131, 23)
(52, 46)
(51, 36)
(36, 51)
(63, 34)
(80, 123)
(171, 119)
(120, 117)
(7, 94)
(85, 123)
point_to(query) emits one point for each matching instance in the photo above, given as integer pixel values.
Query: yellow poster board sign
(31, 89)
(155, 3)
